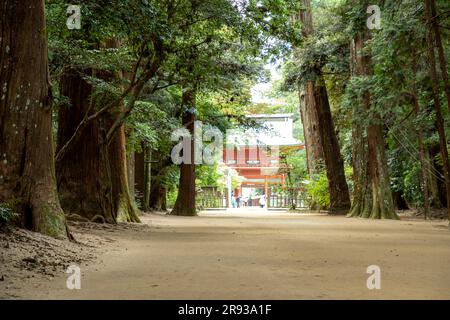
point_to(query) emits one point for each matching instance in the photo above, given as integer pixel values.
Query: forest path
(254, 254)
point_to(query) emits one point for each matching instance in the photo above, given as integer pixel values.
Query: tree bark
(315, 158)
(319, 127)
(83, 172)
(437, 104)
(382, 202)
(362, 189)
(185, 203)
(123, 205)
(92, 173)
(114, 138)
(27, 167)
(337, 184)
(310, 121)
(83, 183)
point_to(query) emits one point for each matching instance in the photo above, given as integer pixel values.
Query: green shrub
(171, 198)
(412, 186)
(349, 178)
(318, 191)
(6, 213)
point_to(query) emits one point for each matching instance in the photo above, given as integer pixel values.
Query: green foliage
(207, 176)
(412, 186)
(294, 167)
(394, 49)
(349, 178)
(7, 213)
(172, 197)
(317, 190)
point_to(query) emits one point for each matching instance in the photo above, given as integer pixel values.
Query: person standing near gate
(262, 201)
(233, 200)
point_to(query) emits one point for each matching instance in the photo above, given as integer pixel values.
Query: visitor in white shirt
(262, 201)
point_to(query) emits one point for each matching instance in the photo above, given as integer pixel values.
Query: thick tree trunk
(437, 104)
(373, 196)
(308, 110)
(362, 200)
(320, 136)
(185, 203)
(83, 172)
(27, 167)
(362, 189)
(382, 202)
(123, 205)
(83, 189)
(92, 174)
(337, 184)
(310, 121)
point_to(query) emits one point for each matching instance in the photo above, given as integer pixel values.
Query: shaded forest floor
(243, 254)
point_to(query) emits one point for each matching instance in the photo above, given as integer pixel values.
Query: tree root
(98, 219)
(76, 217)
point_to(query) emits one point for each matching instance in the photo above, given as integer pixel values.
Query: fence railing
(288, 198)
(212, 198)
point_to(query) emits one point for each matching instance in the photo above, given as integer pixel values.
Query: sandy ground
(256, 255)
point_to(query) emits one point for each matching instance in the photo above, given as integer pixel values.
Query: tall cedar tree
(372, 197)
(27, 167)
(320, 136)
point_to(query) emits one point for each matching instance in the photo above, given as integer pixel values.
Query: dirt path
(254, 255)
